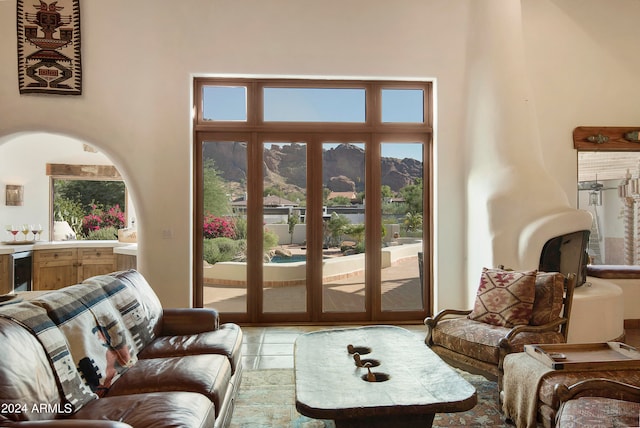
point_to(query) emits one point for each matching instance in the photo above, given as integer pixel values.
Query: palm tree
(412, 221)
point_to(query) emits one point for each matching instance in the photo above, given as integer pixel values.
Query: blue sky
(228, 103)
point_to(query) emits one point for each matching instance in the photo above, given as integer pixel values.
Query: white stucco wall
(139, 58)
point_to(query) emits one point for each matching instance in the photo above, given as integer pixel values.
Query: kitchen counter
(126, 249)
(119, 247)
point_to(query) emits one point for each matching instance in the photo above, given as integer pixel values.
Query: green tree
(413, 221)
(394, 208)
(386, 191)
(298, 197)
(325, 194)
(88, 192)
(70, 211)
(339, 200)
(274, 191)
(335, 227)
(215, 197)
(292, 220)
(354, 230)
(412, 195)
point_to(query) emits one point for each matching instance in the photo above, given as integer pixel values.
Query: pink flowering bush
(99, 218)
(90, 223)
(218, 227)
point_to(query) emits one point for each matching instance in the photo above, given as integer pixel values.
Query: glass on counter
(12, 229)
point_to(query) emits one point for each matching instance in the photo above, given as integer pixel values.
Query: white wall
(139, 59)
(581, 71)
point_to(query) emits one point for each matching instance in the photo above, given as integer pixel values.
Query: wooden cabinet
(5, 274)
(126, 262)
(95, 261)
(53, 269)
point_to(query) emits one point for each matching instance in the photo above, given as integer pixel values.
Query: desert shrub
(222, 250)
(270, 240)
(241, 227)
(104, 233)
(210, 251)
(226, 249)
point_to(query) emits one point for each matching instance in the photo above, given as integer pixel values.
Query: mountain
(285, 166)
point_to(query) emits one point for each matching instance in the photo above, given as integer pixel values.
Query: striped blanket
(92, 334)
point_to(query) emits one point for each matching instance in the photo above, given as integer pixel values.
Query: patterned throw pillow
(504, 298)
(548, 301)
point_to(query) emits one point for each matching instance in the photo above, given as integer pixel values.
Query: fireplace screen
(567, 254)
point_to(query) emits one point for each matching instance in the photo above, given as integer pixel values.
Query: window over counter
(88, 202)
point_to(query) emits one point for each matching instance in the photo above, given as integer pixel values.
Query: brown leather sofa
(144, 366)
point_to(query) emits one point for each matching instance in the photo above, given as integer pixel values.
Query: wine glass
(8, 228)
(36, 229)
(13, 229)
(25, 230)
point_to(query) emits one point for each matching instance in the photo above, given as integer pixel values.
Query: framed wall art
(49, 47)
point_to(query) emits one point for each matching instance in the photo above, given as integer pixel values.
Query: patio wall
(283, 274)
(300, 233)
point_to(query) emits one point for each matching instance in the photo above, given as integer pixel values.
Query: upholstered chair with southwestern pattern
(598, 402)
(511, 309)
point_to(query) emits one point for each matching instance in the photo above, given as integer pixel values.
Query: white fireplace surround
(597, 313)
(537, 233)
(518, 204)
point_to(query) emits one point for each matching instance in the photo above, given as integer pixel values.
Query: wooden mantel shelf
(607, 138)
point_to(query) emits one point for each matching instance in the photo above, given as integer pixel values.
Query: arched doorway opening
(36, 163)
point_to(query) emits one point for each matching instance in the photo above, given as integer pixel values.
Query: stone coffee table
(405, 386)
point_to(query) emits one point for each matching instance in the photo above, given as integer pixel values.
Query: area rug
(266, 399)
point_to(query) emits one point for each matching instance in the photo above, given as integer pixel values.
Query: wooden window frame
(59, 171)
(373, 128)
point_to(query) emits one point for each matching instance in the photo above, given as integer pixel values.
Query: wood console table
(412, 382)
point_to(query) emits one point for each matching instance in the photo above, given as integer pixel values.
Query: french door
(309, 259)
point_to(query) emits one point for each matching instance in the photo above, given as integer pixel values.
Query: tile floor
(272, 347)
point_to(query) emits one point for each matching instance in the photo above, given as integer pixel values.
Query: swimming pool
(292, 259)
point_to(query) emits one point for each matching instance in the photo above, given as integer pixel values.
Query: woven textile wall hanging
(49, 47)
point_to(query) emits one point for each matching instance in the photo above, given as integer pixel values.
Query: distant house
(349, 195)
(275, 208)
(277, 201)
(267, 201)
(394, 200)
